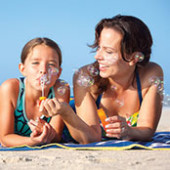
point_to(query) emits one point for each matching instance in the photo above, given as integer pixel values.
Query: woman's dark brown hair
(38, 41)
(136, 37)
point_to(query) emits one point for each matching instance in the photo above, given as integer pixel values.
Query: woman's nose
(98, 56)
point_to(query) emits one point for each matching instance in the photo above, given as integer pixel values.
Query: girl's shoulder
(9, 90)
(10, 84)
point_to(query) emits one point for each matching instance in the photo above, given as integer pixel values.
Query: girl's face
(41, 64)
(108, 54)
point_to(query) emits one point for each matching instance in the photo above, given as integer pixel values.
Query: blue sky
(71, 24)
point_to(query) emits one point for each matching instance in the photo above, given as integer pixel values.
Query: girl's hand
(51, 107)
(117, 127)
(43, 136)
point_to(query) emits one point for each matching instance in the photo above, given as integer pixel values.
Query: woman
(128, 88)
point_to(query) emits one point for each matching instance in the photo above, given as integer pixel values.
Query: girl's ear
(59, 72)
(22, 69)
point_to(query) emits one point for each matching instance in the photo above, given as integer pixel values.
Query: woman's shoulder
(151, 68)
(149, 72)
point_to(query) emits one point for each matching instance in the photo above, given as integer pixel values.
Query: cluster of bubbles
(63, 87)
(46, 78)
(157, 81)
(87, 80)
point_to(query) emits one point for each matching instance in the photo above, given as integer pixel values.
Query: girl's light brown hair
(38, 41)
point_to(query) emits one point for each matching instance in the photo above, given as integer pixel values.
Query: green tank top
(21, 120)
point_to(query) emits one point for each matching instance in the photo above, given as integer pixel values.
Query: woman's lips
(102, 67)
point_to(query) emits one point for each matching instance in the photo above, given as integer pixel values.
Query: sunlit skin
(121, 75)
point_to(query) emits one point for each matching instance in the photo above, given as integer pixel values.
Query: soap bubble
(166, 100)
(53, 71)
(93, 70)
(113, 87)
(157, 81)
(61, 90)
(85, 80)
(44, 79)
(140, 56)
(120, 102)
(63, 87)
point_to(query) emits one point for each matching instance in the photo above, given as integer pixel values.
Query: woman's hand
(42, 132)
(117, 127)
(51, 107)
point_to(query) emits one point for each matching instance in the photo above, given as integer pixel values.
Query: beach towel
(160, 141)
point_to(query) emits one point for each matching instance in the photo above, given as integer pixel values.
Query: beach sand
(94, 160)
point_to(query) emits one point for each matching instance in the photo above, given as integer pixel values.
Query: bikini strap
(139, 86)
(98, 101)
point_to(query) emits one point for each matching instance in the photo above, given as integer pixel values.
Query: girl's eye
(52, 64)
(34, 63)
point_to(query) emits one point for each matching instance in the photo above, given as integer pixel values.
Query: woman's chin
(103, 75)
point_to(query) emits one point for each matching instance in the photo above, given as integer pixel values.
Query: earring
(140, 56)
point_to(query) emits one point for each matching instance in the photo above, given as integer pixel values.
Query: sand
(90, 160)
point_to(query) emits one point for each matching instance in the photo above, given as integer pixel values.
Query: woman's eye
(98, 48)
(109, 52)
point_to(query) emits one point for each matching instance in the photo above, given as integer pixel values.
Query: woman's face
(109, 55)
(41, 65)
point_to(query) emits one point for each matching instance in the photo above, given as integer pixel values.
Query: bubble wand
(42, 97)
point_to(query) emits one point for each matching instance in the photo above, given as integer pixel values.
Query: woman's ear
(136, 58)
(22, 68)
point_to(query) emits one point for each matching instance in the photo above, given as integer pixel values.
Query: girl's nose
(42, 72)
(43, 69)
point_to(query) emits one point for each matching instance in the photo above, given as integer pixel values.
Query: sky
(71, 23)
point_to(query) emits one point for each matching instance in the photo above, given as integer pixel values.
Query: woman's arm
(86, 109)
(151, 108)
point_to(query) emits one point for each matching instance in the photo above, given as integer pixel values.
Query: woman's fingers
(117, 127)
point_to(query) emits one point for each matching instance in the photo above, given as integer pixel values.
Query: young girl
(21, 119)
(128, 89)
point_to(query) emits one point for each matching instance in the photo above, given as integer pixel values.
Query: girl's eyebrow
(55, 61)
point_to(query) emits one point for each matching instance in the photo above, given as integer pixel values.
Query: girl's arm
(8, 100)
(62, 93)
